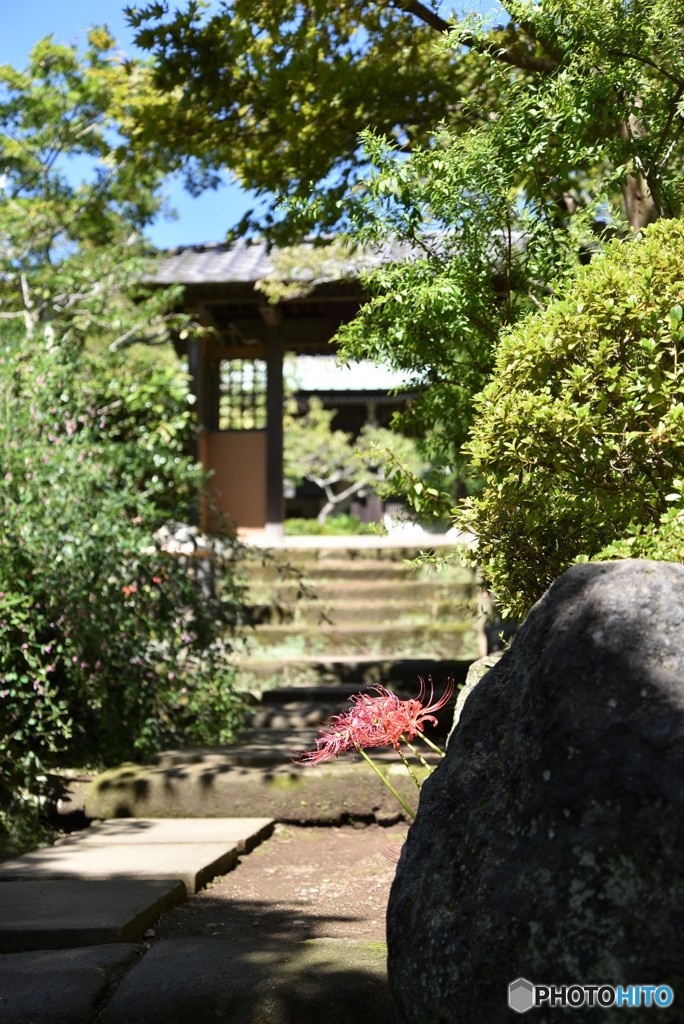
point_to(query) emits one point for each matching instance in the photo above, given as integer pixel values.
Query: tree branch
(524, 61)
(424, 14)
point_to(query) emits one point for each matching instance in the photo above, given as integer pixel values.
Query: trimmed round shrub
(579, 436)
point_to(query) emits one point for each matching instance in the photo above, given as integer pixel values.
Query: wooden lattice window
(242, 396)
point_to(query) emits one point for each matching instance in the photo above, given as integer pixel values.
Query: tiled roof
(245, 262)
(215, 263)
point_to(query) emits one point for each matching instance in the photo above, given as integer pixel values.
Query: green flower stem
(429, 742)
(420, 757)
(384, 778)
(408, 766)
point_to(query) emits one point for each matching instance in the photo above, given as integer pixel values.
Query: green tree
(340, 464)
(498, 217)
(279, 92)
(579, 435)
(72, 254)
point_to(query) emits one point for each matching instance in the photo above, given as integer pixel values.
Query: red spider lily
(416, 714)
(379, 721)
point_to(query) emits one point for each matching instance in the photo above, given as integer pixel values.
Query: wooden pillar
(196, 373)
(275, 395)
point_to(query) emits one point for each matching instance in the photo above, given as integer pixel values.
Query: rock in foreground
(549, 844)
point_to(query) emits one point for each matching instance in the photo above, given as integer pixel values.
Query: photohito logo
(523, 995)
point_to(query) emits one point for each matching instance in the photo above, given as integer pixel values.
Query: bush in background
(342, 525)
(109, 649)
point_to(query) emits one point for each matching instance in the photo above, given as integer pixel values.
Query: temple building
(238, 369)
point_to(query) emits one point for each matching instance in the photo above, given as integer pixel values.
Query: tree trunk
(639, 204)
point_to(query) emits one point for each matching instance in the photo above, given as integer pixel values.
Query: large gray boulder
(549, 843)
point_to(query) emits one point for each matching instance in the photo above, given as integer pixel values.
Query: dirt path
(303, 883)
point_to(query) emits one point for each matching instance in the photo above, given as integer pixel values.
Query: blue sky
(205, 219)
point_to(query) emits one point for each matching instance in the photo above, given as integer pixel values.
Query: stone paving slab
(65, 914)
(242, 833)
(60, 986)
(322, 981)
(194, 864)
(192, 851)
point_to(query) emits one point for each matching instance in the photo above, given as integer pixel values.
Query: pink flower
(379, 721)
(414, 713)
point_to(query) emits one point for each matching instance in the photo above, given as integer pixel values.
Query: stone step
(329, 693)
(320, 981)
(205, 783)
(350, 611)
(443, 639)
(355, 671)
(108, 883)
(67, 913)
(355, 569)
(310, 706)
(266, 748)
(200, 981)
(305, 550)
(295, 714)
(62, 986)
(418, 590)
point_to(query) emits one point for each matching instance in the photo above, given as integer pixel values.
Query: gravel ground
(302, 883)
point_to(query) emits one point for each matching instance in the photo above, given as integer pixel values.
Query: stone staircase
(330, 617)
(334, 615)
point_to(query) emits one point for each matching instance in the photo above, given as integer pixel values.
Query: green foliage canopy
(72, 256)
(497, 216)
(278, 92)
